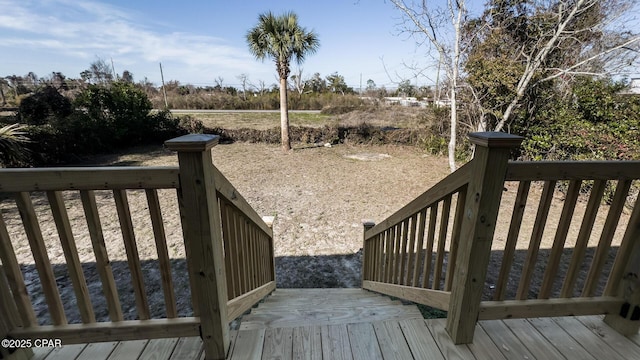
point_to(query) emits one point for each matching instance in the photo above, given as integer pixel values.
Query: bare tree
(589, 35)
(297, 82)
(244, 81)
(3, 83)
(440, 28)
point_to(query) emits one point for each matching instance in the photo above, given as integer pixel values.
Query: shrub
(43, 106)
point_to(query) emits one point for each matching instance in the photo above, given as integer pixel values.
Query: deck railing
(228, 247)
(398, 260)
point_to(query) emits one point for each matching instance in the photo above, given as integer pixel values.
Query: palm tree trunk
(284, 116)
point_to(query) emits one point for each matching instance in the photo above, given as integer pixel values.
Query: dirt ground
(318, 195)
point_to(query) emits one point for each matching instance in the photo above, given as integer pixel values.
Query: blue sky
(199, 41)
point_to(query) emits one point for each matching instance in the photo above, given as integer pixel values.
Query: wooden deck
(355, 324)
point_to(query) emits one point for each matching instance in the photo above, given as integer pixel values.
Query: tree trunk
(284, 116)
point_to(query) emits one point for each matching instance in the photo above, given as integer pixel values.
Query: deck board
(97, 351)
(333, 324)
(278, 343)
(66, 352)
(622, 344)
(128, 349)
(248, 344)
(158, 349)
(584, 337)
(450, 351)
(591, 341)
(364, 344)
(508, 343)
(420, 341)
(307, 343)
(483, 347)
(189, 348)
(335, 342)
(532, 339)
(41, 353)
(560, 339)
(391, 340)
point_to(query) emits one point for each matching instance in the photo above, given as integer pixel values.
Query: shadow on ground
(325, 271)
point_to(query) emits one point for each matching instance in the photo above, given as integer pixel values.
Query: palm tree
(281, 38)
(12, 145)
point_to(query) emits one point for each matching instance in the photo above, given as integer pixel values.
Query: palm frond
(12, 144)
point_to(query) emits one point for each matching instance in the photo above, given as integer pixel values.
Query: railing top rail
(233, 196)
(88, 178)
(451, 184)
(572, 170)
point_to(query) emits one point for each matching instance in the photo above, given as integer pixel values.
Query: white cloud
(84, 29)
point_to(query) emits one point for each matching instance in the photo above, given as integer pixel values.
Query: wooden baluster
(442, 240)
(61, 219)
(412, 250)
(133, 259)
(15, 279)
(536, 237)
(419, 257)
(380, 258)
(455, 239)
(187, 253)
(583, 237)
(512, 239)
(41, 258)
(100, 252)
(481, 211)
(604, 244)
(9, 320)
(561, 236)
(163, 253)
(433, 215)
(403, 251)
(397, 260)
(242, 252)
(201, 224)
(388, 258)
(226, 236)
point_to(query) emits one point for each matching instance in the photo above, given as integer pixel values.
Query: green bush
(105, 119)
(43, 106)
(596, 123)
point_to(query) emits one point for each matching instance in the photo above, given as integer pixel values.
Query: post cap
(368, 223)
(494, 139)
(192, 142)
(269, 220)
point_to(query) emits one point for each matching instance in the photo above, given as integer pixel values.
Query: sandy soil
(319, 195)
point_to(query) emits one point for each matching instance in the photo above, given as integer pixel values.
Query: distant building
(634, 86)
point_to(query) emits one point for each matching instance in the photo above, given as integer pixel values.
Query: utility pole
(164, 90)
(360, 84)
(113, 69)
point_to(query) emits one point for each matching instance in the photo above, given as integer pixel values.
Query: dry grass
(318, 195)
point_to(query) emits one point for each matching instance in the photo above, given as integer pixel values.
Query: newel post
(366, 258)
(479, 221)
(202, 229)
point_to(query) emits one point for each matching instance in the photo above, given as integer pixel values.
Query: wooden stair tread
(274, 319)
(305, 302)
(286, 308)
(321, 308)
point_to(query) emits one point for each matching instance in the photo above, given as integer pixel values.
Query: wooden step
(321, 307)
(277, 319)
(294, 304)
(286, 308)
